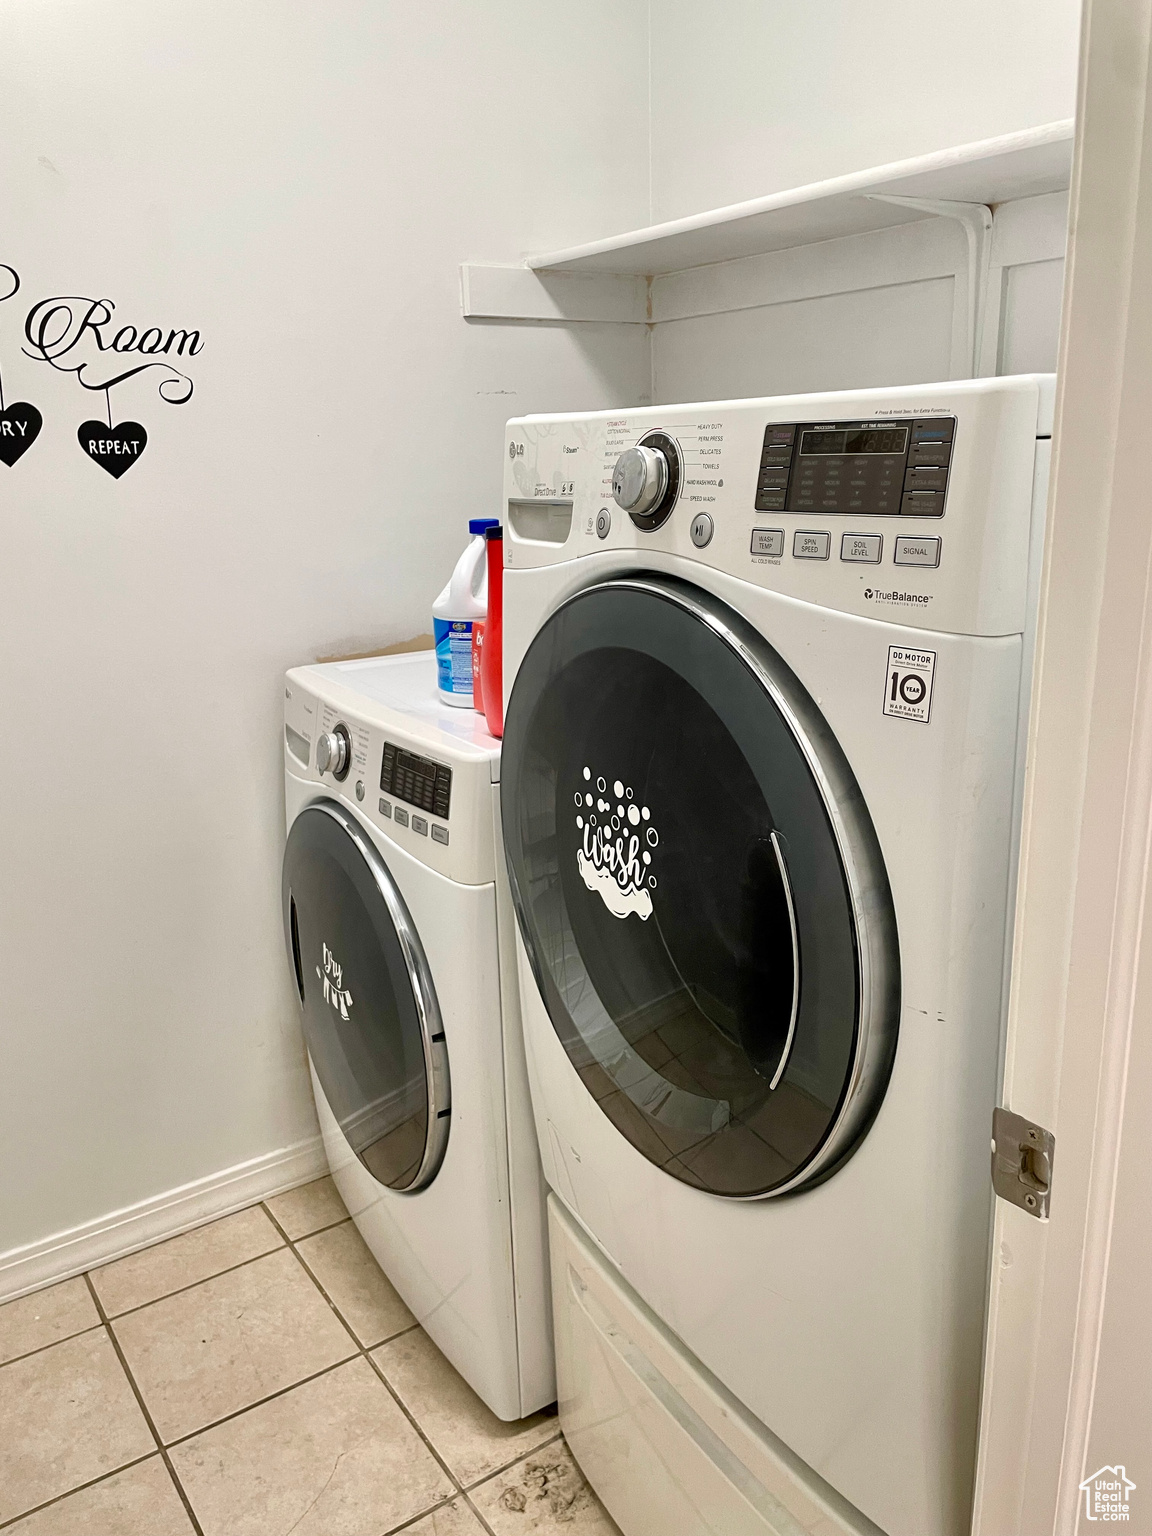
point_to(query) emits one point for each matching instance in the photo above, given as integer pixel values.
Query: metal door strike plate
(1022, 1156)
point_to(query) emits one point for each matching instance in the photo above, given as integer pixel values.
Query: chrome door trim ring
(878, 959)
(436, 1072)
(785, 880)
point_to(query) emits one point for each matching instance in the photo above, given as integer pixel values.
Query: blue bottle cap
(478, 524)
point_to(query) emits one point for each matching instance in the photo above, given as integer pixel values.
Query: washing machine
(400, 939)
(765, 667)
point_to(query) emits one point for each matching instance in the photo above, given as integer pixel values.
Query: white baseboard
(177, 1210)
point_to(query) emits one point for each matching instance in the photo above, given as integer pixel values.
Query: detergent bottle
(493, 652)
(462, 602)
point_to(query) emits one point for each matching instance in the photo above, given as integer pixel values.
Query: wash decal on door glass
(84, 337)
(617, 843)
(332, 979)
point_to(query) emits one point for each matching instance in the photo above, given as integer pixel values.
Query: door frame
(1068, 1316)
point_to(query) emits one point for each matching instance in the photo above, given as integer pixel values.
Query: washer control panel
(914, 502)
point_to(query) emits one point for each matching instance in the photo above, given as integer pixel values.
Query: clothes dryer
(765, 666)
(400, 940)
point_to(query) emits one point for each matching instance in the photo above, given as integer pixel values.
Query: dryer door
(371, 1019)
(699, 889)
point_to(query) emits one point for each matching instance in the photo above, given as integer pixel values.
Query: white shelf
(993, 171)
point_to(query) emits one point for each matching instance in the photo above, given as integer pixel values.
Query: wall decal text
(84, 337)
(113, 448)
(20, 422)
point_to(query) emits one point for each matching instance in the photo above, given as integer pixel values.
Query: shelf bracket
(976, 221)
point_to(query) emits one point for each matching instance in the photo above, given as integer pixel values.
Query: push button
(926, 477)
(439, 834)
(938, 429)
(420, 825)
(861, 548)
(401, 817)
(385, 808)
(922, 504)
(910, 551)
(603, 523)
(768, 541)
(701, 530)
(811, 546)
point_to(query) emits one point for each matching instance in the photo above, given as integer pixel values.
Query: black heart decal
(19, 428)
(113, 448)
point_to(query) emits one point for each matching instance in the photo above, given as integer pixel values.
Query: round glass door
(371, 1019)
(699, 888)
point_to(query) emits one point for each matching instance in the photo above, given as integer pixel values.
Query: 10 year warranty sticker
(908, 686)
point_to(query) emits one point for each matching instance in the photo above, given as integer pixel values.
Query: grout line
(398, 1530)
(515, 1462)
(115, 1317)
(480, 1518)
(148, 1419)
(79, 1488)
(305, 1236)
(40, 1348)
(259, 1403)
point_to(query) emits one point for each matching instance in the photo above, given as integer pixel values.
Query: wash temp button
(768, 541)
(912, 551)
(811, 546)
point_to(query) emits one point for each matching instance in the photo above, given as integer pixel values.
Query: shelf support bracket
(976, 221)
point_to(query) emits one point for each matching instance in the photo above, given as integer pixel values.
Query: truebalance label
(908, 684)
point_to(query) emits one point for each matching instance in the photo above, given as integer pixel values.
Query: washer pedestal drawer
(667, 1449)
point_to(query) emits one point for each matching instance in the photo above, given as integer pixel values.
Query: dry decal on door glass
(617, 843)
(79, 336)
(332, 978)
(20, 422)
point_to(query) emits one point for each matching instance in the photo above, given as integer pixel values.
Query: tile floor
(260, 1377)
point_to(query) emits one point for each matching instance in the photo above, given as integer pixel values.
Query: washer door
(371, 1019)
(699, 888)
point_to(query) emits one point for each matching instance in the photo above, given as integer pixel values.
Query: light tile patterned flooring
(260, 1377)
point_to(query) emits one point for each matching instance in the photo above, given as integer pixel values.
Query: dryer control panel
(418, 780)
(423, 774)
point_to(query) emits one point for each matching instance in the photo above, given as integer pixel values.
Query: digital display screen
(855, 440)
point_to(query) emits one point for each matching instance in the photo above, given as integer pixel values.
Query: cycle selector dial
(639, 479)
(334, 752)
(646, 480)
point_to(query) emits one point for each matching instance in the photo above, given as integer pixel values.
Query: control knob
(639, 479)
(334, 752)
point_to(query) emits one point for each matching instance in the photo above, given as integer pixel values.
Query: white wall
(753, 96)
(300, 181)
